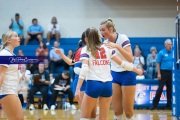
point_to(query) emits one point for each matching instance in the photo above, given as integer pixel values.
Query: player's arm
(64, 57)
(126, 52)
(82, 75)
(126, 65)
(3, 70)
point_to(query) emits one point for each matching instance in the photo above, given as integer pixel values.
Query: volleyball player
(96, 57)
(124, 82)
(9, 79)
(76, 62)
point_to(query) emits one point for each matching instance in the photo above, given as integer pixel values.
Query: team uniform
(11, 80)
(120, 75)
(78, 65)
(99, 79)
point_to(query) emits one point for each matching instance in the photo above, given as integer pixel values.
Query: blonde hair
(5, 37)
(94, 40)
(109, 24)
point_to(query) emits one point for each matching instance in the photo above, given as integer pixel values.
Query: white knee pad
(77, 70)
(119, 117)
(127, 66)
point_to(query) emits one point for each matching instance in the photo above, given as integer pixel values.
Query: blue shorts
(125, 78)
(2, 96)
(97, 89)
(75, 82)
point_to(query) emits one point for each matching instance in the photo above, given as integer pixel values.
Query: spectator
(151, 64)
(41, 85)
(24, 81)
(32, 67)
(138, 47)
(70, 54)
(46, 65)
(34, 31)
(56, 59)
(140, 77)
(71, 68)
(138, 58)
(62, 83)
(164, 68)
(20, 53)
(42, 50)
(17, 25)
(53, 31)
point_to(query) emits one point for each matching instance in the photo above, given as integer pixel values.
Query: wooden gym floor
(62, 114)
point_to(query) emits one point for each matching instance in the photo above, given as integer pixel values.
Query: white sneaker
(47, 43)
(73, 107)
(45, 107)
(31, 107)
(53, 107)
(67, 105)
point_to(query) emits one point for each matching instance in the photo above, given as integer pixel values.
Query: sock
(131, 118)
(119, 117)
(97, 111)
(87, 119)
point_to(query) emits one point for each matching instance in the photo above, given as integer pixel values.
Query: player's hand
(57, 51)
(77, 95)
(12, 20)
(139, 71)
(41, 80)
(111, 45)
(159, 76)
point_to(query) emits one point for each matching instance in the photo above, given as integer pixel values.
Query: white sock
(127, 66)
(87, 119)
(131, 118)
(97, 111)
(119, 117)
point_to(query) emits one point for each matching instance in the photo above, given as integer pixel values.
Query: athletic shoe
(73, 107)
(31, 107)
(53, 107)
(45, 107)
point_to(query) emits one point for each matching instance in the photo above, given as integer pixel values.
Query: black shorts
(34, 36)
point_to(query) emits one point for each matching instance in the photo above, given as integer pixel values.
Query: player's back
(99, 67)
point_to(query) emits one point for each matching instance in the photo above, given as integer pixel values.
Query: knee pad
(77, 70)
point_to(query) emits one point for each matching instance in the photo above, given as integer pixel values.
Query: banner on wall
(145, 94)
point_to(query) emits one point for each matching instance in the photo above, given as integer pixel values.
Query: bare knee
(118, 111)
(129, 114)
(39, 37)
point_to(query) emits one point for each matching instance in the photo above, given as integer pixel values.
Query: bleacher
(72, 43)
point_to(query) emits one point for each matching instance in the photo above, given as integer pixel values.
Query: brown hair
(94, 40)
(109, 24)
(52, 20)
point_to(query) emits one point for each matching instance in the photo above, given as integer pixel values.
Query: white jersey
(123, 41)
(11, 80)
(99, 68)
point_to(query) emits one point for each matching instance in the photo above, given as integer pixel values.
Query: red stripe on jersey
(77, 55)
(125, 43)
